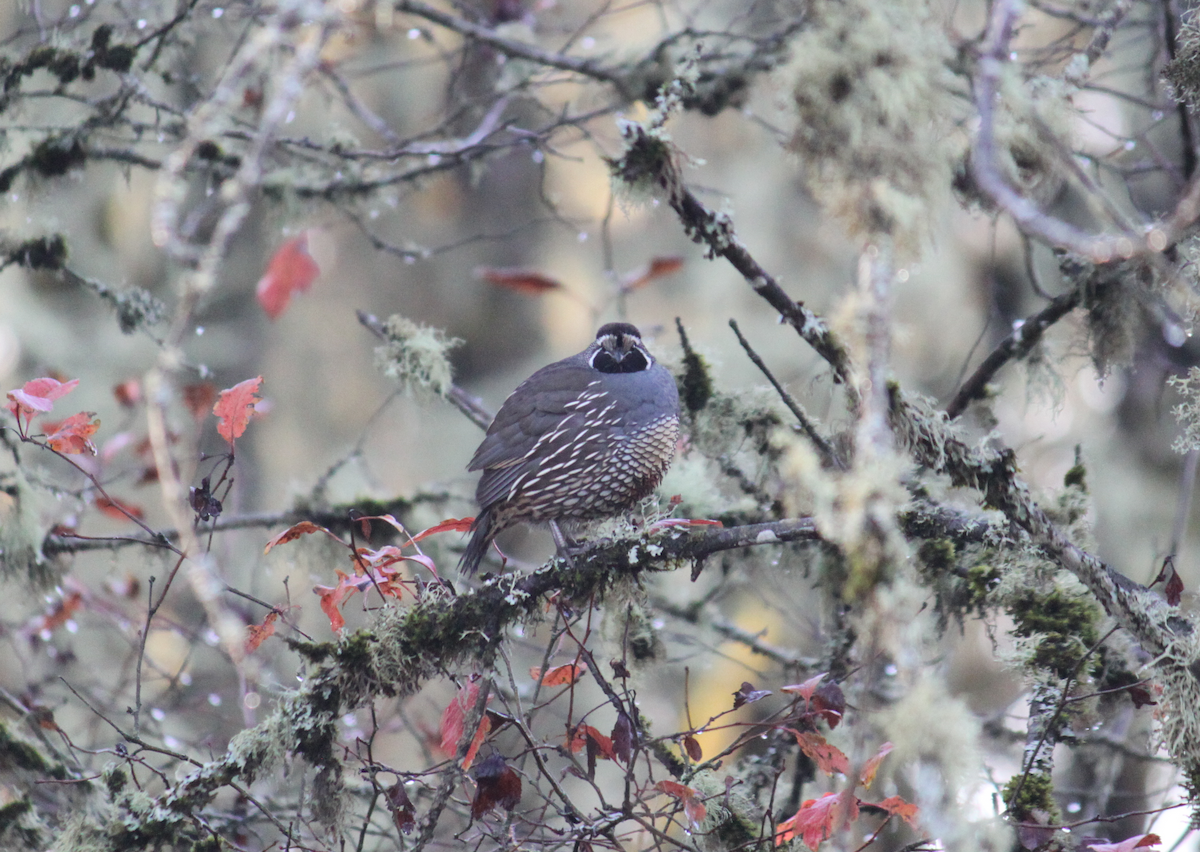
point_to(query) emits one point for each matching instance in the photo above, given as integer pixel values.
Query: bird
(584, 438)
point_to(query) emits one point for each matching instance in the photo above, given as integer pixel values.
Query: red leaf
(657, 268)
(818, 819)
(521, 280)
(453, 719)
(73, 435)
(119, 510)
(896, 806)
(1174, 588)
(692, 806)
(586, 735)
(235, 407)
(1138, 841)
(867, 776)
(748, 694)
(497, 784)
(332, 598)
(829, 702)
(257, 633)
(559, 675)
(403, 814)
(199, 398)
(692, 747)
(128, 393)
(36, 397)
(290, 270)
(448, 525)
(58, 614)
(294, 532)
(829, 759)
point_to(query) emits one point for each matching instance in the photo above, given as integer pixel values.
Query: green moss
(114, 778)
(938, 554)
(17, 754)
(208, 844)
(1066, 627)
(1030, 798)
(981, 579)
(1076, 477)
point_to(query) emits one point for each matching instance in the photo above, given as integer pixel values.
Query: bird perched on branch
(581, 439)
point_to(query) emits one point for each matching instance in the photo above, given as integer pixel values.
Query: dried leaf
(871, 767)
(290, 270)
(521, 280)
(818, 819)
(448, 525)
(622, 737)
(497, 785)
(403, 813)
(896, 806)
(36, 397)
(235, 407)
(294, 532)
(256, 634)
(829, 702)
(804, 690)
(656, 268)
(1138, 841)
(198, 398)
(692, 747)
(748, 695)
(128, 393)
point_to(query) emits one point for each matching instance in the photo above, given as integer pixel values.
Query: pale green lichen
(416, 355)
(1187, 412)
(874, 104)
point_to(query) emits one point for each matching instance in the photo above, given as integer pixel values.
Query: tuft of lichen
(1113, 296)
(1183, 72)
(1187, 412)
(416, 355)
(873, 104)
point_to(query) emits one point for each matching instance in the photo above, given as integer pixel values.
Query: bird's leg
(562, 544)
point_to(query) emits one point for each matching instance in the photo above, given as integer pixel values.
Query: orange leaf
(692, 806)
(559, 675)
(36, 397)
(119, 510)
(905, 810)
(235, 407)
(867, 776)
(829, 759)
(584, 734)
(290, 270)
(657, 268)
(294, 532)
(128, 393)
(454, 718)
(74, 434)
(257, 633)
(521, 280)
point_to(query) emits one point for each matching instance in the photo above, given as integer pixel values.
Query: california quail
(584, 438)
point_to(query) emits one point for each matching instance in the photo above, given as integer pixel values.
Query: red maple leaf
(559, 675)
(290, 270)
(829, 759)
(235, 407)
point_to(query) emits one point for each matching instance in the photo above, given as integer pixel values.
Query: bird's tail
(481, 536)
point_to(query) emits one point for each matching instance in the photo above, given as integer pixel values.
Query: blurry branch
(1025, 336)
(925, 433)
(338, 518)
(823, 446)
(875, 274)
(1098, 248)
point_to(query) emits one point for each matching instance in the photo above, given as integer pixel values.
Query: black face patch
(633, 360)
